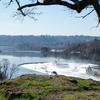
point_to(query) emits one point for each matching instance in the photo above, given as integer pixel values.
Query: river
(39, 65)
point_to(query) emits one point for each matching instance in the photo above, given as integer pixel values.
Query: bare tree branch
(88, 13)
(10, 2)
(96, 6)
(20, 9)
(77, 5)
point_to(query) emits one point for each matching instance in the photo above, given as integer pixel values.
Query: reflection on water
(23, 53)
(20, 60)
(30, 57)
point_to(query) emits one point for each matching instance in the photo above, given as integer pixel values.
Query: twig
(20, 9)
(87, 14)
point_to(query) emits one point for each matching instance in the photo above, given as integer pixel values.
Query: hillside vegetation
(30, 42)
(28, 87)
(87, 50)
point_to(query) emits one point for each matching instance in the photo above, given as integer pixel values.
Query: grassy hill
(28, 87)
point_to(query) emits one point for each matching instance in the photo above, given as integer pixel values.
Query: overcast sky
(54, 20)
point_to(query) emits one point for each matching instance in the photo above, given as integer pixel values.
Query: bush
(6, 69)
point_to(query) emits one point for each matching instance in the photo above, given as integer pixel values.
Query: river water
(46, 65)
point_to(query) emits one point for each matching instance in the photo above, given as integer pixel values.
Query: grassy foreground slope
(28, 87)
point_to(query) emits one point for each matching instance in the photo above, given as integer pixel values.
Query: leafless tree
(77, 5)
(13, 70)
(6, 69)
(4, 64)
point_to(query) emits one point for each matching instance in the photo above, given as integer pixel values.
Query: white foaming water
(73, 69)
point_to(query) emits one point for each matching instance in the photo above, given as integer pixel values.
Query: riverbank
(29, 87)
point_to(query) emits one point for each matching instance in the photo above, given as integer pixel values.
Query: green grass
(69, 97)
(35, 83)
(2, 96)
(30, 87)
(83, 96)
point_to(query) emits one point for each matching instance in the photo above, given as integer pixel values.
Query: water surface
(46, 65)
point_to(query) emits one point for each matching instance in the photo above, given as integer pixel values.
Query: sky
(53, 20)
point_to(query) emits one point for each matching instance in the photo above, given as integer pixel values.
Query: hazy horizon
(48, 35)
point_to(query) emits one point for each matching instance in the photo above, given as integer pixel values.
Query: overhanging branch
(20, 9)
(77, 5)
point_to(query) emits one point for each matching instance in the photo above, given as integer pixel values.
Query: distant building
(56, 50)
